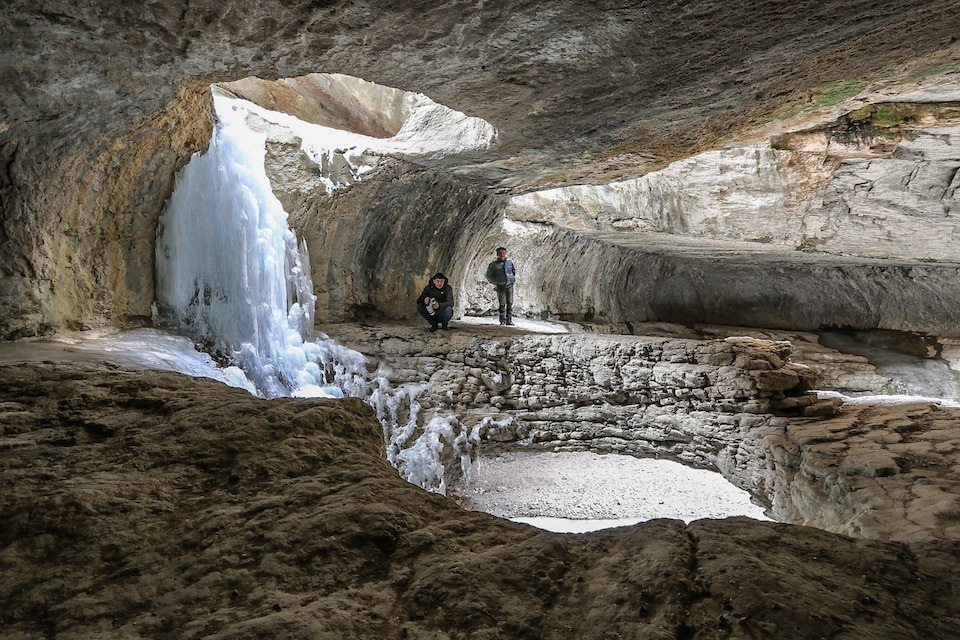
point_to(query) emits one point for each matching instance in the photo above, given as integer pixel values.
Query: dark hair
(438, 275)
(501, 249)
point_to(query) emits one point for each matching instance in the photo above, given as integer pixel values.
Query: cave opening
(344, 126)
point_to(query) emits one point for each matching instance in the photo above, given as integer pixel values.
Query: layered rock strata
(879, 182)
(738, 406)
(862, 363)
(715, 257)
(150, 505)
(617, 278)
(750, 235)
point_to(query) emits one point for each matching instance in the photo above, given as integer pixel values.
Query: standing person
(435, 303)
(501, 273)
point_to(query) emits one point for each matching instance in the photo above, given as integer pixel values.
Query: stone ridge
(737, 405)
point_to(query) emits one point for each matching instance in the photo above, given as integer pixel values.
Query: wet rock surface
(149, 505)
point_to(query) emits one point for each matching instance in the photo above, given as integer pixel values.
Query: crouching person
(435, 303)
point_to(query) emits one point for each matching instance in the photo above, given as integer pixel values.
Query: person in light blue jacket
(502, 274)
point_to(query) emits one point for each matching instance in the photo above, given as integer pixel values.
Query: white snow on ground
(886, 400)
(575, 492)
(532, 326)
(140, 348)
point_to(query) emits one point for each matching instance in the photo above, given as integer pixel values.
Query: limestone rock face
(847, 215)
(373, 247)
(862, 363)
(80, 209)
(104, 104)
(737, 406)
(842, 195)
(680, 245)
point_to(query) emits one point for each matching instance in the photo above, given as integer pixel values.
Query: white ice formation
(231, 275)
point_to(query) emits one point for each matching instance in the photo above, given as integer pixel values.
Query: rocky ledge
(151, 505)
(738, 406)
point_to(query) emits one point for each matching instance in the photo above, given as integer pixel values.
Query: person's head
(438, 280)
(501, 253)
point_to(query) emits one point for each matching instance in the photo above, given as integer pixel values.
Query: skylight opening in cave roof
(355, 116)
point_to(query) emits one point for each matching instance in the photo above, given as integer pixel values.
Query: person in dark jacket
(502, 274)
(435, 303)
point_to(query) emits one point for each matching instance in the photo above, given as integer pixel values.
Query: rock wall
(103, 104)
(374, 245)
(737, 406)
(865, 363)
(141, 504)
(609, 278)
(753, 235)
(880, 182)
(80, 215)
(876, 471)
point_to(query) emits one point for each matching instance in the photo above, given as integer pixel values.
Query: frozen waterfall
(229, 270)
(231, 275)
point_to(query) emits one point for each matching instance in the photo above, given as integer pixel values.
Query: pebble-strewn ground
(595, 491)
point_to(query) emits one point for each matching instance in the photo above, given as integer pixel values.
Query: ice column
(229, 271)
(231, 275)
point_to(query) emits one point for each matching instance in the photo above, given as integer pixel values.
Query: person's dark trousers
(440, 316)
(505, 299)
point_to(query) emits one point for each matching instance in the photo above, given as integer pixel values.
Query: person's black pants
(439, 316)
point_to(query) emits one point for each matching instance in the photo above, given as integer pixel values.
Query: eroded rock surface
(738, 406)
(105, 104)
(694, 243)
(146, 505)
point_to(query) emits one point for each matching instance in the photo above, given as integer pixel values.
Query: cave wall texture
(153, 505)
(103, 103)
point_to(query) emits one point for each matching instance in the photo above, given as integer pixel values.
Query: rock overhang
(763, 270)
(586, 85)
(649, 109)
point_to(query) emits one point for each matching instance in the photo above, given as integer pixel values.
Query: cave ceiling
(104, 103)
(578, 92)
